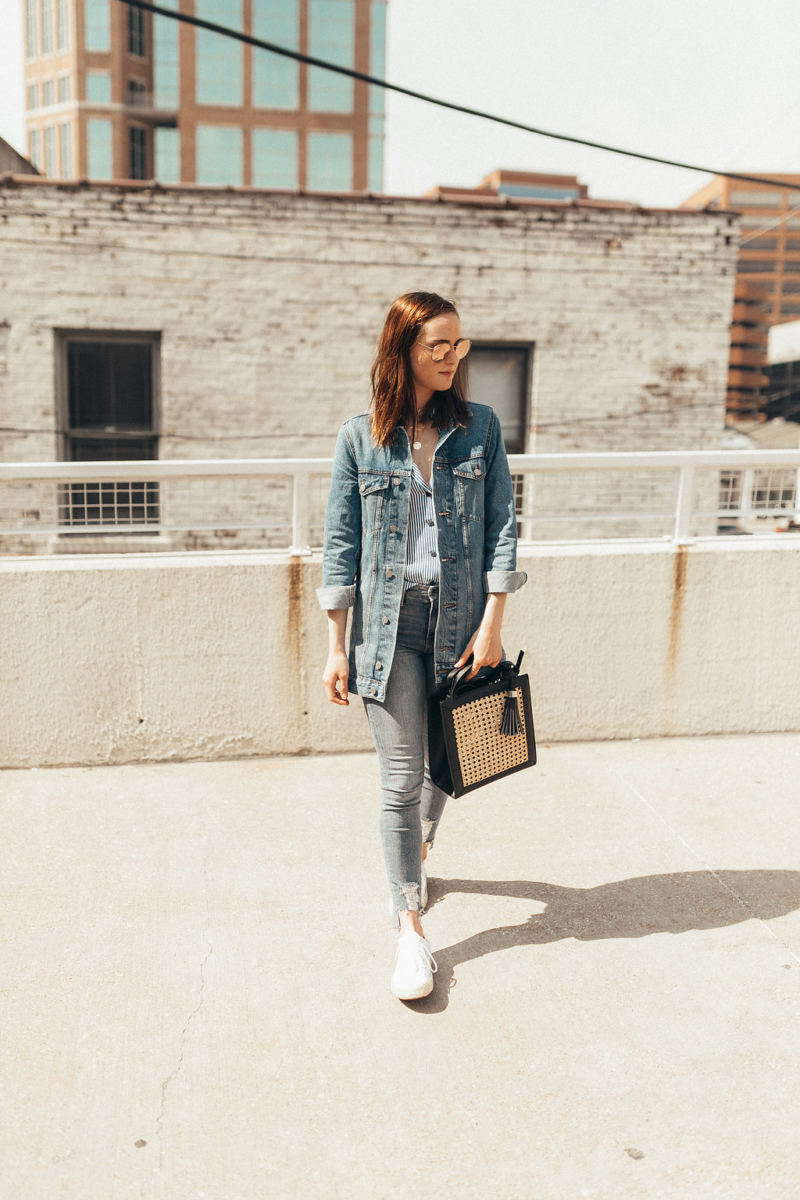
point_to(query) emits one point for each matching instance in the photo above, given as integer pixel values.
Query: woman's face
(430, 376)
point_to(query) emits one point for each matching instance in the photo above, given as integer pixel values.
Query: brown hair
(393, 394)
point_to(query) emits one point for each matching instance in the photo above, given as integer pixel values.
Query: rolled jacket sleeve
(500, 538)
(342, 542)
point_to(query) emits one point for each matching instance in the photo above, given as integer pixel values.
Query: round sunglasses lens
(462, 349)
(439, 351)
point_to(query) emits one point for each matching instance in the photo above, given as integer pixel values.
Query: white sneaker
(413, 968)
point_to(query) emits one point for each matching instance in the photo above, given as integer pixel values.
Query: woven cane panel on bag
(483, 750)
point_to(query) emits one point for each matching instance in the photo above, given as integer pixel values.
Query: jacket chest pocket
(468, 482)
(374, 490)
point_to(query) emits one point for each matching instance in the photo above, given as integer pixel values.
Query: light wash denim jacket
(366, 529)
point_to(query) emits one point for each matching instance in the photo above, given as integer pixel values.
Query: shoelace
(423, 950)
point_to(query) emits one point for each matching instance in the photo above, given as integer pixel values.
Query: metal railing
(685, 494)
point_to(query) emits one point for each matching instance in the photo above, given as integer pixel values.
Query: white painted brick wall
(269, 306)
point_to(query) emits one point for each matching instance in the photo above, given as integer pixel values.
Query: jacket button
(395, 479)
(378, 666)
(393, 529)
(384, 620)
(389, 574)
(373, 691)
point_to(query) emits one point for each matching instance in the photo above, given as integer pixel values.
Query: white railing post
(301, 504)
(683, 511)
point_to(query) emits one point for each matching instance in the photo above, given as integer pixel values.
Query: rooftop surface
(470, 197)
(196, 981)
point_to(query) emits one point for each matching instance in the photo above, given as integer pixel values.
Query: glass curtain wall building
(114, 92)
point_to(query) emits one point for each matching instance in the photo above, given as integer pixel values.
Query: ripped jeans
(411, 804)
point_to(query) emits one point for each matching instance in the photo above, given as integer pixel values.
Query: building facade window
(137, 144)
(219, 158)
(47, 26)
(329, 166)
(167, 154)
(48, 93)
(136, 35)
(65, 149)
(753, 199)
(275, 158)
(31, 40)
(137, 93)
(755, 265)
(99, 153)
(331, 35)
(35, 147)
(97, 24)
(50, 161)
(32, 95)
(166, 58)
(98, 87)
(62, 25)
(218, 59)
(499, 375)
(109, 398)
(376, 120)
(63, 89)
(276, 79)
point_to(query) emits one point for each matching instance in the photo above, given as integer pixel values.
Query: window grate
(730, 490)
(112, 504)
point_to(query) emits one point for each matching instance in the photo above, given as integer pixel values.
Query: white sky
(707, 81)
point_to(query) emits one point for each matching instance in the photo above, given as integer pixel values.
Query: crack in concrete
(706, 866)
(182, 1040)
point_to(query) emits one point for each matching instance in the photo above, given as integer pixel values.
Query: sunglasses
(438, 351)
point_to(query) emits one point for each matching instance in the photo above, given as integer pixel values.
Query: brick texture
(268, 306)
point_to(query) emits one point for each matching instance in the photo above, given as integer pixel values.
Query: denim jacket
(366, 530)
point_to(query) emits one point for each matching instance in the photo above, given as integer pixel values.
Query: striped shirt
(422, 555)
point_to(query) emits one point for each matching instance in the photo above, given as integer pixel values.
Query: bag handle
(504, 667)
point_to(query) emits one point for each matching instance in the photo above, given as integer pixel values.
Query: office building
(113, 92)
(769, 251)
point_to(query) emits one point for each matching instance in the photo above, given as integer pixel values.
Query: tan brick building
(769, 252)
(113, 92)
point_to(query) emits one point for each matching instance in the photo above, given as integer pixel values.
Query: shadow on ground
(627, 908)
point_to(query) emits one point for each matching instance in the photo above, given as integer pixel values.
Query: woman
(420, 540)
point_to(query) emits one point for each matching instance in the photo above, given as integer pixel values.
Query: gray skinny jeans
(411, 804)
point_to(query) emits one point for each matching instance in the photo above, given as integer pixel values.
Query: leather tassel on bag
(511, 724)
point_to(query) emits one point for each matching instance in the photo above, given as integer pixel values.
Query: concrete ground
(196, 961)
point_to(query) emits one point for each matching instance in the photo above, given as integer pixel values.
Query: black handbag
(480, 729)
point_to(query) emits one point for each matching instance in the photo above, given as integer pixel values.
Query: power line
(772, 225)
(310, 60)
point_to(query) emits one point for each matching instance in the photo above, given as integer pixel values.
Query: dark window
(755, 265)
(499, 375)
(137, 92)
(138, 148)
(110, 415)
(136, 31)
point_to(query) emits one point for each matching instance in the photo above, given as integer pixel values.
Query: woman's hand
(334, 677)
(485, 645)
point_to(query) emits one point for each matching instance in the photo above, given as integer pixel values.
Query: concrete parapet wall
(114, 659)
